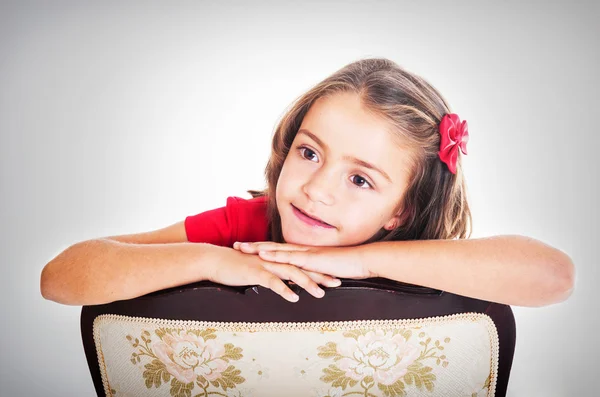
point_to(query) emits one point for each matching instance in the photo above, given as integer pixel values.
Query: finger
(271, 246)
(245, 247)
(254, 248)
(296, 258)
(297, 276)
(323, 279)
(271, 281)
(249, 248)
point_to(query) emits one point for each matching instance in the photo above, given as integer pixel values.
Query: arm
(511, 269)
(103, 270)
(124, 267)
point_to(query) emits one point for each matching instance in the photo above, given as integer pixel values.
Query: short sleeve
(239, 220)
(252, 220)
(218, 226)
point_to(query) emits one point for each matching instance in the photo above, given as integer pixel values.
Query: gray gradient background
(122, 118)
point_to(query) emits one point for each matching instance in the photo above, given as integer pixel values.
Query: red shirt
(240, 220)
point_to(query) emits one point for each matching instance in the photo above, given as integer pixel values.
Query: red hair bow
(454, 135)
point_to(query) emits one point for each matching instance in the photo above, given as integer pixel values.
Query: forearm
(514, 270)
(101, 270)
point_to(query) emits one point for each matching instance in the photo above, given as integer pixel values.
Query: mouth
(309, 219)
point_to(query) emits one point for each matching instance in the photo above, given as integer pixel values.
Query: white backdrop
(122, 118)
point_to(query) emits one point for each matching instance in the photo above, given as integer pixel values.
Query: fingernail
(320, 293)
(336, 282)
(244, 244)
(294, 297)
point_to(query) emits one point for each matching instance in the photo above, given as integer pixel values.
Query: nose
(320, 187)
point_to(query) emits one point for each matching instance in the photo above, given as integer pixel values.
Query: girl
(364, 180)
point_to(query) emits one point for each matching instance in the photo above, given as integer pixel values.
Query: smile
(309, 220)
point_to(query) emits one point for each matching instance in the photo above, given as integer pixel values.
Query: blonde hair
(435, 204)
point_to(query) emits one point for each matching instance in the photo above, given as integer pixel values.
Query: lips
(312, 220)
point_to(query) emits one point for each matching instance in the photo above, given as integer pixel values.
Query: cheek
(282, 181)
(285, 183)
(292, 174)
(363, 218)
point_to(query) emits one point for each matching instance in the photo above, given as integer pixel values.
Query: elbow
(54, 281)
(561, 280)
(46, 284)
(69, 280)
(565, 283)
(53, 288)
(50, 287)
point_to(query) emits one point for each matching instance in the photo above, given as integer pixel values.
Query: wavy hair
(435, 204)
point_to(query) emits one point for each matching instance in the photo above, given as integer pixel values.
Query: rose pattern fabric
(192, 357)
(374, 359)
(415, 357)
(188, 356)
(380, 354)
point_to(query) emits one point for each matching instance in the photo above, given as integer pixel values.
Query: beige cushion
(453, 355)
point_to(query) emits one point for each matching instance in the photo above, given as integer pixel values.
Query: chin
(298, 240)
(311, 241)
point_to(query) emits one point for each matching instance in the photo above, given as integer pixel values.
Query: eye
(306, 153)
(360, 181)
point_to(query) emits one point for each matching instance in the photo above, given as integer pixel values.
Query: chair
(372, 337)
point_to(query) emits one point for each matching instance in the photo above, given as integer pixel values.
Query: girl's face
(344, 169)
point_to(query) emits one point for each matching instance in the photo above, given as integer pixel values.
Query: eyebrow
(347, 158)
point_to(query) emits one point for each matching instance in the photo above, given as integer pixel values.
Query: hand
(231, 267)
(343, 262)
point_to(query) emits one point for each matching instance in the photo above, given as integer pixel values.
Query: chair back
(374, 337)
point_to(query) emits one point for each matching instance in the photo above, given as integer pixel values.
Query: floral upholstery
(361, 339)
(443, 356)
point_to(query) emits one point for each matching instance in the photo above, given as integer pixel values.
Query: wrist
(207, 266)
(384, 259)
(365, 257)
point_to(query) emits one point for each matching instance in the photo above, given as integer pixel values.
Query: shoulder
(239, 219)
(253, 202)
(250, 218)
(247, 208)
(242, 204)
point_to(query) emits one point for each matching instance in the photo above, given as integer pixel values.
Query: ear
(394, 222)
